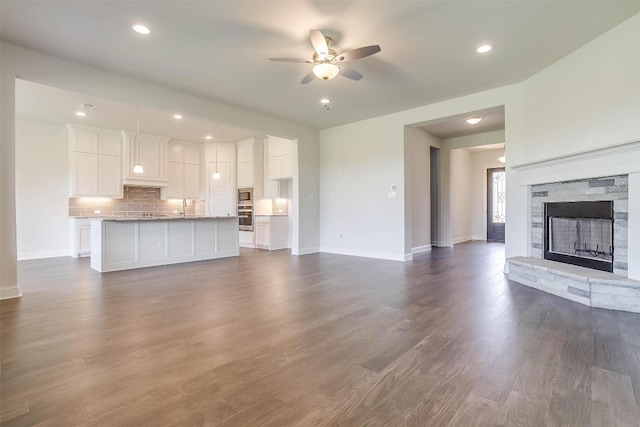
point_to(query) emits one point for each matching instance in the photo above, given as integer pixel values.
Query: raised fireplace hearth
(580, 233)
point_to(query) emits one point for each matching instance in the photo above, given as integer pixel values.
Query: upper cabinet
(183, 171)
(95, 158)
(244, 155)
(271, 187)
(250, 166)
(280, 155)
(151, 152)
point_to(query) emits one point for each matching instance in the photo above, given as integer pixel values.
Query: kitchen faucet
(184, 208)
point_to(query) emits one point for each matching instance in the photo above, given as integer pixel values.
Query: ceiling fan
(327, 63)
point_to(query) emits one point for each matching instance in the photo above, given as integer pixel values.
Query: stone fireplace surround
(614, 188)
(599, 174)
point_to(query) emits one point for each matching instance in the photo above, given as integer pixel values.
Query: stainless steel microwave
(245, 196)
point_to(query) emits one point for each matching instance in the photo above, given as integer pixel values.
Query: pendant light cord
(137, 134)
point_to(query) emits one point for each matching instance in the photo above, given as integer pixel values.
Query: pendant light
(137, 169)
(216, 174)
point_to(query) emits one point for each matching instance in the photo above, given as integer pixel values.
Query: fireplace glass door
(590, 238)
(580, 233)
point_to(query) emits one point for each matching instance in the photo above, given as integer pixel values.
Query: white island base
(123, 244)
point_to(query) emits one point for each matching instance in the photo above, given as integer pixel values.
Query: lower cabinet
(79, 237)
(271, 232)
(246, 239)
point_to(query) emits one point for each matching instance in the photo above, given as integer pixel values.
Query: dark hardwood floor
(272, 339)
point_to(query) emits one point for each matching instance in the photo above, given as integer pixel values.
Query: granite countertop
(158, 218)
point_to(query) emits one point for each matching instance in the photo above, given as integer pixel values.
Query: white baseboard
(10, 292)
(419, 249)
(506, 267)
(442, 244)
(41, 255)
(478, 237)
(305, 251)
(461, 240)
(368, 254)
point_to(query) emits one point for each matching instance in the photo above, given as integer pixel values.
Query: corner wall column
(9, 287)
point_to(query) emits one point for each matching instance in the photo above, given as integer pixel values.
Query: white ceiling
(57, 106)
(219, 49)
(451, 127)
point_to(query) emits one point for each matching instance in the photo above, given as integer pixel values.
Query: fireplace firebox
(579, 233)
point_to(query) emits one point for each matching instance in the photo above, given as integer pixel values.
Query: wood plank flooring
(319, 340)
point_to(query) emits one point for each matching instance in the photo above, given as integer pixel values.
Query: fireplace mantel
(616, 159)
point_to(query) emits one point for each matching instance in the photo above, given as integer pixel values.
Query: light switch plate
(392, 194)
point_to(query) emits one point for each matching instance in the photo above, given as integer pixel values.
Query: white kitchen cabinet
(271, 187)
(281, 167)
(79, 237)
(280, 155)
(245, 151)
(271, 232)
(245, 174)
(175, 189)
(183, 171)
(246, 239)
(110, 176)
(250, 167)
(84, 175)
(279, 146)
(151, 152)
(95, 162)
(191, 181)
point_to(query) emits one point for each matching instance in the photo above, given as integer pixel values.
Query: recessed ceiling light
(324, 101)
(80, 113)
(484, 48)
(141, 29)
(208, 137)
(473, 120)
(177, 116)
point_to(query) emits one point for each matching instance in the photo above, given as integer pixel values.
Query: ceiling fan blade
(291, 60)
(319, 42)
(358, 53)
(308, 78)
(350, 73)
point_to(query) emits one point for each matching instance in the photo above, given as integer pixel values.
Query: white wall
(460, 188)
(42, 190)
(589, 99)
(359, 163)
(46, 69)
(419, 143)
(480, 162)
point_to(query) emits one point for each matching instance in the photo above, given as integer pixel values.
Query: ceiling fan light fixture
(325, 71)
(325, 101)
(484, 48)
(473, 120)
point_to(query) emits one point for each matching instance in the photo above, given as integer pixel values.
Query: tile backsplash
(136, 201)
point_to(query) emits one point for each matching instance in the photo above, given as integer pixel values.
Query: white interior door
(221, 198)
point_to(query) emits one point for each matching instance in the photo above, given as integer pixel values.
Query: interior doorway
(434, 159)
(496, 202)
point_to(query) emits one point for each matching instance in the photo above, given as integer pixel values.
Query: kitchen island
(128, 243)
